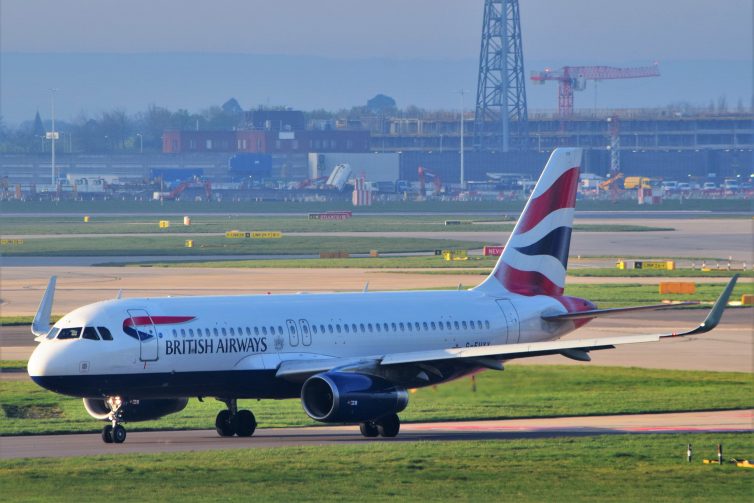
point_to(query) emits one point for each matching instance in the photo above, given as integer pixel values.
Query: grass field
(286, 223)
(174, 245)
(622, 468)
(519, 391)
(617, 295)
(443, 207)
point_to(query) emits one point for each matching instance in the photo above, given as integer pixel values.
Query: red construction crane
(573, 78)
(424, 172)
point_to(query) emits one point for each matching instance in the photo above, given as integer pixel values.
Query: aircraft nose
(39, 361)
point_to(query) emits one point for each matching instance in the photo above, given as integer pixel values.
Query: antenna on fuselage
(366, 287)
(119, 295)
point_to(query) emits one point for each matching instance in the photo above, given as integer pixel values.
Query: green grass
(286, 224)
(519, 391)
(174, 245)
(617, 295)
(12, 365)
(442, 207)
(623, 468)
(650, 273)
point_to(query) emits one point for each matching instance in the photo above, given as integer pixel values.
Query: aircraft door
(306, 334)
(147, 333)
(292, 333)
(511, 320)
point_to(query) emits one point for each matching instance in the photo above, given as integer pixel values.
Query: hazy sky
(104, 54)
(588, 30)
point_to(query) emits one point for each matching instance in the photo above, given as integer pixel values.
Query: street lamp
(141, 142)
(52, 135)
(463, 179)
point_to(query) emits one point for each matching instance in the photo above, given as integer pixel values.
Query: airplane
(349, 357)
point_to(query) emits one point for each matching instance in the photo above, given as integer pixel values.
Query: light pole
(463, 179)
(141, 142)
(52, 135)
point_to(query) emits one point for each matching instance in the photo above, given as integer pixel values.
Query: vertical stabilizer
(535, 257)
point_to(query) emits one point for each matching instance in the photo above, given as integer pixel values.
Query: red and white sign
(493, 251)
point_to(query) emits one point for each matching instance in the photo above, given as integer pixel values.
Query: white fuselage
(189, 346)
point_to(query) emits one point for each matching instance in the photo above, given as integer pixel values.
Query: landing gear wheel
(107, 434)
(244, 423)
(389, 426)
(118, 434)
(369, 429)
(223, 424)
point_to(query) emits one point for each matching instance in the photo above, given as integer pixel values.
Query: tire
(223, 425)
(119, 434)
(245, 423)
(369, 429)
(389, 426)
(107, 434)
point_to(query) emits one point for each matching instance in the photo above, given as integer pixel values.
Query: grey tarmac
(152, 442)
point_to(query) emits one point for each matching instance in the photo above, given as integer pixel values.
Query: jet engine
(344, 397)
(135, 410)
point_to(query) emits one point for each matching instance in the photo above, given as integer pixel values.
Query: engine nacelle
(344, 397)
(136, 410)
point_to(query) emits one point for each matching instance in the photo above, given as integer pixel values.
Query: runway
(203, 440)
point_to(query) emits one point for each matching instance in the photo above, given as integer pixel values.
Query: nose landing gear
(232, 421)
(114, 433)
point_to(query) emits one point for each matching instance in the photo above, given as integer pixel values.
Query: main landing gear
(387, 426)
(114, 433)
(232, 421)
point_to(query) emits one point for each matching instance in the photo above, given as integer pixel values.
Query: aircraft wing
(491, 356)
(577, 349)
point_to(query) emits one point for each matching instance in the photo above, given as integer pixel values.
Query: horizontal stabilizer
(596, 313)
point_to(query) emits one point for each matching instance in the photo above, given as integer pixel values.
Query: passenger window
(424, 325)
(447, 325)
(280, 330)
(487, 324)
(417, 327)
(455, 324)
(337, 327)
(191, 332)
(225, 333)
(329, 328)
(479, 324)
(471, 324)
(183, 332)
(402, 326)
(353, 327)
(322, 329)
(207, 332)
(432, 324)
(345, 328)
(231, 331)
(256, 330)
(361, 326)
(369, 327)
(264, 330)
(385, 327)
(440, 325)
(377, 326)
(69, 333)
(105, 334)
(90, 333)
(305, 329)
(463, 324)
(215, 332)
(314, 329)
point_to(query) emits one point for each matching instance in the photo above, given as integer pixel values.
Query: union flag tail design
(535, 258)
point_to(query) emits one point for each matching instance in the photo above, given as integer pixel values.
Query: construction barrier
(337, 254)
(86, 219)
(189, 243)
(187, 220)
(493, 251)
(667, 265)
(164, 224)
(621, 265)
(747, 299)
(374, 253)
(677, 287)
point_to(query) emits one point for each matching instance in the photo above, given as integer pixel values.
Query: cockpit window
(105, 334)
(90, 333)
(70, 333)
(53, 332)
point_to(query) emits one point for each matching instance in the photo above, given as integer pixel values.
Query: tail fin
(535, 258)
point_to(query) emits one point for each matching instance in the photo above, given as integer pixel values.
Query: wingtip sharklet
(41, 324)
(716, 313)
